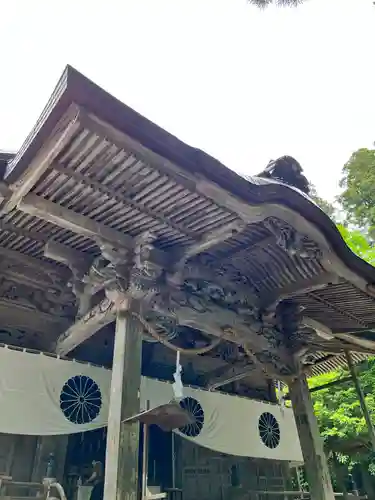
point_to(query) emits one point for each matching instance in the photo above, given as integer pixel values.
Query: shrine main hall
(155, 306)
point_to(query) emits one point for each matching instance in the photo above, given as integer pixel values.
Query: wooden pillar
(361, 397)
(316, 465)
(121, 473)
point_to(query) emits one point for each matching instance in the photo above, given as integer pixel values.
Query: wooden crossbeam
(67, 256)
(97, 318)
(250, 214)
(45, 268)
(231, 374)
(66, 218)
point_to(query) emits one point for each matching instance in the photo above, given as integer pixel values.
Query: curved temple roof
(96, 158)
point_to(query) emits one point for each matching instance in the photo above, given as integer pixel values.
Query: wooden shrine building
(119, 241)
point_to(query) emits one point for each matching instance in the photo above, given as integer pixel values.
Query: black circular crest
(269, 430)
(80, 399)
(194, 408)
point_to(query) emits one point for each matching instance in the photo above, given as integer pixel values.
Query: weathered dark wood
(60, 136)
(216, 237)
(45, 270)
(121, 475)
(96, 319)
(325, 386)
(67, 256)
(367, 345)
(296, 288)
(231, 374)
(65, 218)
(362, 400)
(311, 443)
(246, 212)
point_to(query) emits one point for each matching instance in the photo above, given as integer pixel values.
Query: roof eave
(74, 87)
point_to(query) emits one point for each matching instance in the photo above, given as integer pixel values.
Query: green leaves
(358, 181)
(358, 243)
(337, 408)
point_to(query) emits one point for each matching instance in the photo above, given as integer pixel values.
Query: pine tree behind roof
(280, 3)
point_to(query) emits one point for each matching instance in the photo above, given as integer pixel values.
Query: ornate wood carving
(218, 301)
(52, 301)
(99, 316)
(292, 241)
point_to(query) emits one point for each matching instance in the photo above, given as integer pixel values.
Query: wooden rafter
(65, 218)
(249, 214)
(121, 197)
(296, 288)
(33, 264)
(60, 136)
(67, 256)
(229, 374)
(346, 314)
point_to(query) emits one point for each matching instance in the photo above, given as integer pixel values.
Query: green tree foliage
(358, 181)
(358, 243)
(337, 408)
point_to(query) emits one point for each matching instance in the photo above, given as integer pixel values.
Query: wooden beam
(325, 386)
(230, 374)
(67, 256)
(210, 321)
(98, 317)
(216, 236)
(121, 471)
(298, 287)
(362, 400)
(122, 197)
(316, 465)
(364, 344)
(36, 265)
(66, 218)
(18, 315)
(61, 135)
(248, 213)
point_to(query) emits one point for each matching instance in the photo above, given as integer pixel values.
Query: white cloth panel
(31, 387)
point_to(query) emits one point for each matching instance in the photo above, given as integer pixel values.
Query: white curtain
(44, 395)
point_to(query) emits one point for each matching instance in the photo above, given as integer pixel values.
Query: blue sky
(245, 85)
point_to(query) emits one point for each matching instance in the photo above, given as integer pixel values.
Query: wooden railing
(48, 489)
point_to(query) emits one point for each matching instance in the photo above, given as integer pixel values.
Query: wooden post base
(121, 473)
(316, 465)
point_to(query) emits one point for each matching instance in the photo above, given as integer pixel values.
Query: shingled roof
(97, 158)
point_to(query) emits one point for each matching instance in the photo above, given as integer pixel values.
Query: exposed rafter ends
(98, 317)
(65, 218)
(59, 137)
(298, 287)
